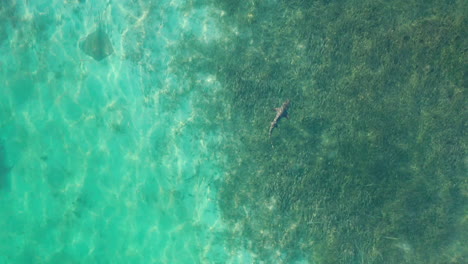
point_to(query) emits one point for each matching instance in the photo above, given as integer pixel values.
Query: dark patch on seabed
(4, 169)
(371, 167)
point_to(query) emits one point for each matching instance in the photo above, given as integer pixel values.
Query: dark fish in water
(280, 112)
(97, 44)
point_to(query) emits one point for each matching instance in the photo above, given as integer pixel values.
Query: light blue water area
(104, 161)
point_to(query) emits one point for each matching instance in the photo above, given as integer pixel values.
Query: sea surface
(137, 131)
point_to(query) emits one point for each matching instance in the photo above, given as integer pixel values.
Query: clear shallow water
(160, 153)
(108, 161)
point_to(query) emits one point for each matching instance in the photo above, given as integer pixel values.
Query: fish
(97, 44)
(280, 113)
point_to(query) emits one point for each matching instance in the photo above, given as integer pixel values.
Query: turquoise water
(110, 162)
(159, 152)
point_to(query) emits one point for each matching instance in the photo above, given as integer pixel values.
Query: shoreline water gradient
(160, 153)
